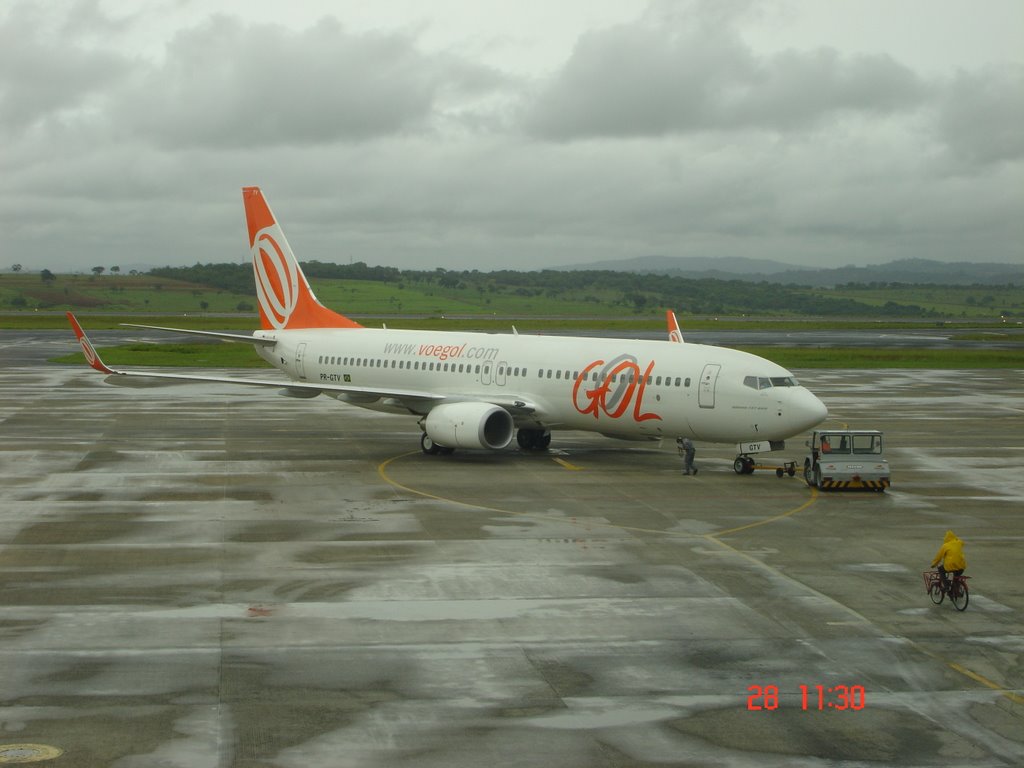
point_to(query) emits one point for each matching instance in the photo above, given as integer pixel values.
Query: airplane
(472, 390)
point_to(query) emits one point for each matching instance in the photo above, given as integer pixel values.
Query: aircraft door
(494, 373)
(300, 354)
(706, 392)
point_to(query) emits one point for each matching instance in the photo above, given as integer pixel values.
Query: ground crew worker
(687, 451)
(950, 558)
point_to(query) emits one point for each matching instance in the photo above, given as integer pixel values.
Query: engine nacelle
(470, 425)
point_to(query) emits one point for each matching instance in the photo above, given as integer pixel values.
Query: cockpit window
(765, 382)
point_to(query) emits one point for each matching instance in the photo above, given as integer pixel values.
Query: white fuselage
(621, 388)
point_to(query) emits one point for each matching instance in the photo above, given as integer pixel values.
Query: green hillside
(383, 291)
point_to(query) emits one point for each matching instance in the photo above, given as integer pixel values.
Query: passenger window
(558, 374)
(687, 382)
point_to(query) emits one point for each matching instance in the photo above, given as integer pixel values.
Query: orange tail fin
(286, 300)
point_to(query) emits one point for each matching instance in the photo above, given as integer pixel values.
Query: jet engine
(470, 425)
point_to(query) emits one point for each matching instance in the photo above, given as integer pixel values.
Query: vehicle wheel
(428, 446)
(808, 473)
(935, 592)
(780, 472)
(739, 466)
(817, 477)
(791, 471)
(960, 595)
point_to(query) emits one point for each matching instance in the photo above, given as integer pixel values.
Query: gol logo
(90, 354)
(610, 396)
(277, 276)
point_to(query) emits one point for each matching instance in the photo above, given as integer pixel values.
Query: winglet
(91, 356)
(674, 334)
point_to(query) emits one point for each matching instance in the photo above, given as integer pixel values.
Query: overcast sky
(512, 134)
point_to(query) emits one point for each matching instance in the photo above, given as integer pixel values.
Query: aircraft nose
(811, 410)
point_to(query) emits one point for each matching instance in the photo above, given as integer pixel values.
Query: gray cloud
(981, 115)
(642, 80)
(670, 134)
(229, 84)
(49, 74)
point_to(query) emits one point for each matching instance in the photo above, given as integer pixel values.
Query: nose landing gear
(744, 465)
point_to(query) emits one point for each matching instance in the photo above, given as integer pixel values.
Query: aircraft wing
(293, 388)
(262, 342)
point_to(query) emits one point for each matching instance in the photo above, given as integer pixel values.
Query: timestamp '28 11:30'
(820, 697)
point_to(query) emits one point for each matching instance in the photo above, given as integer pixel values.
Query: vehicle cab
(846, 459)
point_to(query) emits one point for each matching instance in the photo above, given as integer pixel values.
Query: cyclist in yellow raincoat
(950, 558)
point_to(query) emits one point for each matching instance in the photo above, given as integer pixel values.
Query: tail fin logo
(90, 354)
(277, 277)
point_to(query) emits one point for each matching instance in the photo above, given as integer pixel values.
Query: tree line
(641, 293)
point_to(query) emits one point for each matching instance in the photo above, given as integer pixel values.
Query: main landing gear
(428, 446)
(533, 439)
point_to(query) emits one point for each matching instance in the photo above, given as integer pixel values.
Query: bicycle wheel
(935, 592)
(959, 595)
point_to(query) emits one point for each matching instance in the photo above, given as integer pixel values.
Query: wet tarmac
(194, 575)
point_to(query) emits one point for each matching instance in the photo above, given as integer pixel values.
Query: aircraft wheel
(533, 439)
(428, 446)
(737, 466)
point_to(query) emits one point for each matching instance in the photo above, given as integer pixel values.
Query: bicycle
(959, 594)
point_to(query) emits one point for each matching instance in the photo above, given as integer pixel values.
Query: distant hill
(915, 271)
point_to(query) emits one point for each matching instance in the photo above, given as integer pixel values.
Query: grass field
(108, 301)
(966, 301)
(117, 293)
